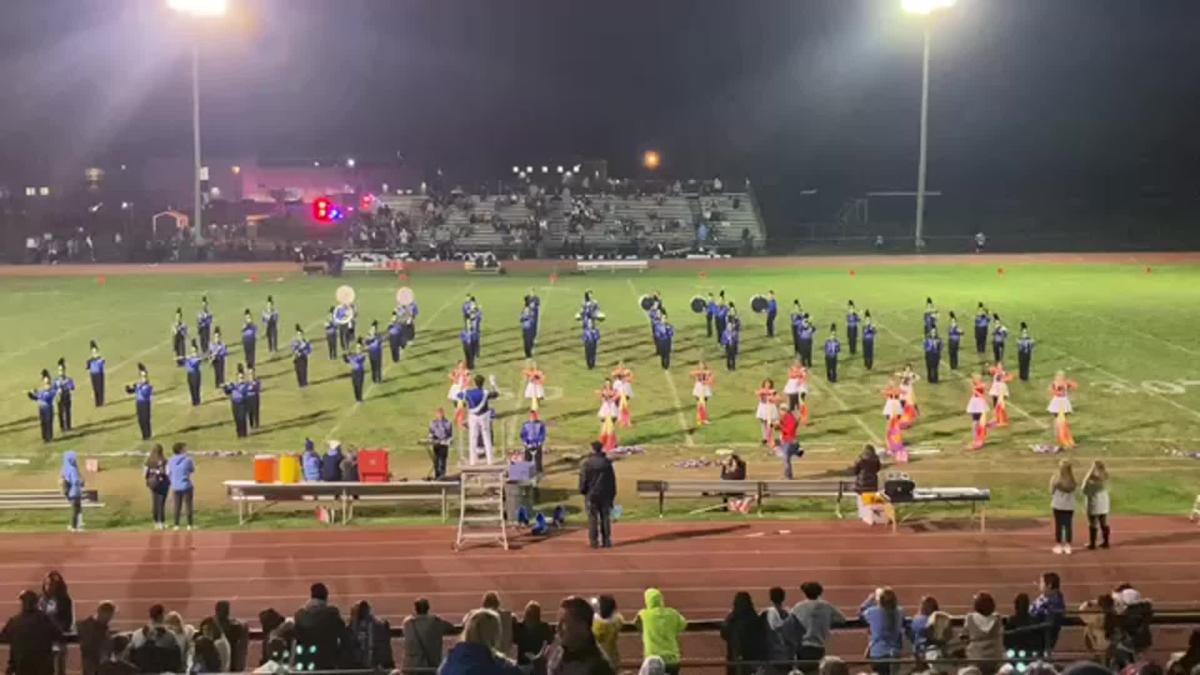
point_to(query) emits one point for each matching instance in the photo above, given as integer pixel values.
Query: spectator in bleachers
(575, 651)
(783, 633)
(491, 602)
(320, 632)
(1183, 663)
(1022, 631)
(154, 648)
(205, 657)
(235, 632)
(331, 463)
(371, 637)
(32, 636)
(984, 633)
(276, 657)
(744, 633)
(95, 638)
(661, 626)
(310, 462)
(181, 633)
(118, 662)
(832, 665)
(1132, 638)
(1049, 608)
(423, 633)
(817, 617)
(56, 604)
(885, 625)
(607, 628)
(918, 624)
(531, 634)
(210, 629)
(274, 627)
(477, 652)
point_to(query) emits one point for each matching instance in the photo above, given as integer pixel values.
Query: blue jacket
(356, 361)
(301, 347)
(772, 306)
(218, 350)
(868, 334)
(236, 391)
(331, 328)
(851, 319)
(192, 364)
(591, 335)
(65, 385)
(955, 334)
(832, 347)
(180, 469)
(468, 658)
(374, 345)
(1000, 334)
(95, 365)
(533, 433)
(331, 466)
(71, 478)
(249, 332)
(44, 397)
(204, 319)
(884, 641)
(311, 463)
(805, 331)
(143, 391)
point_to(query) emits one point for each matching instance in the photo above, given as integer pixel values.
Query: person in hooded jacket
(372, 639)
(744, 633)
(984, 632)
(661, 626)
(331, 463)
(477, 651)
(310, 462)
(784, 633)
(72, 482)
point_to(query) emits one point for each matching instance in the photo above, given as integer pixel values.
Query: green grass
(1128, 337)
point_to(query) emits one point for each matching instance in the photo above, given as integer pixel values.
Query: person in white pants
(479, 418)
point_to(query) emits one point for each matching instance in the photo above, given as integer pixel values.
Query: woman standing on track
(702, 391)
(1062, 502)
(797, 390)
(1095, 495)
(977, 409)
(767, 411)
(1060, 407)
(609, 410)
(179, 470)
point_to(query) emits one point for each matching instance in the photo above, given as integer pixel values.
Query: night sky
(1079, 96)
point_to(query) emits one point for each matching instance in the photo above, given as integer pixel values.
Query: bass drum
(758, 304)
(698, 305)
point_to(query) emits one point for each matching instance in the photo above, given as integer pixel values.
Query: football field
(1126, 334)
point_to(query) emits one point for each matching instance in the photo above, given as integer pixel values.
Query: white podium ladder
(482, 513)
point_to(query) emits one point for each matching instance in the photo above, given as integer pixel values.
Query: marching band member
(236, 391)
(476, 321)
(270, 317)
(893, 412)
(955, 337)
(999, 335)
(591, 340)
(535, 389)
(460, 379)
(832, 348)
(609, 409)
(374, 345)
(796, 318)
(468, 307)
(253, 398)
(45, 402)
(479, 418)
(797, 391)
(977, 409)
(805, 334)
(143, 393)
(441, 434)
(66, 387)
(395, 335)
(1024, 352)
(1060, 407)
(908, 398)
(868, 337)
(933, 356)
(929, 321)
(983, 319)
(528, 321)
(664, 333)
(721, 317)
(357, 359)
(710, 313)
(622, 378)
(249, 338)
(654, 314)
(179, 332)
(999, 392)
(301, 348)
(217, 353)
(767, 411)
(204, 321)
(410, 321)
(470, 342)
(534, 303)
(702, 390)
(772, 311)
(331, 335)
(730, 337)
(95, 366)
(192, 364)
(533, 436)
(590, 307)
(852, 327)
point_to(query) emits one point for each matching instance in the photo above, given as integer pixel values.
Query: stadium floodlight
(350, 163)
(924, 8)
(560, 169)
(516, 169)
(201, 8)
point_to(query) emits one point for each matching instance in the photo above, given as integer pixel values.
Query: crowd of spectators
(583, 638)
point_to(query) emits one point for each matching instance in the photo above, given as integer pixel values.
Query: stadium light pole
(924, 8)
(200, 9)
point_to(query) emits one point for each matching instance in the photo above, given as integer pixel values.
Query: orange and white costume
(1060, 407)
(622, 379)
(609, 409)
(702, 391)
(999, 393)
(977, 408)
(535, 389)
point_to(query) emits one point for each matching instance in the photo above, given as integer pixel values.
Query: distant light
(215, 192)
(204, 8)
(44, 191)
(516, 169)
(529, 169)
(560, 169)
(521, 175)
(651, 159)
(125, 206)
(122, 167)
(316, 164)
(385, 188)
(926, 6)
(576, 168)
(30, 192)
(236, 169)
(350, 163)
(95, 207)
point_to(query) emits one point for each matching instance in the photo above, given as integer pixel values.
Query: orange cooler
(264, 468)
(289, 469)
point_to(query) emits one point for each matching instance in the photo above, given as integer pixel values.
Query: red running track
(698, 567)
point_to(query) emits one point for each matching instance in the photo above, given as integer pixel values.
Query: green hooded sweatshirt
(661, 627)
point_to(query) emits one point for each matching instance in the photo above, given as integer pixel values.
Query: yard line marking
(61, 336)
(1131, 329)
(371, 385)
(1118, 378)
(687, 432)
(1036, 420)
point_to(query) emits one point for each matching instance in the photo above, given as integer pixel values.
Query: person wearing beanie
(310, 462)
(95, 366)
(72, 481)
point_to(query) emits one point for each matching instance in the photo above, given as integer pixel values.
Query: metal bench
(27, 500)
(611, 265)
(246, 494)
(760, 490)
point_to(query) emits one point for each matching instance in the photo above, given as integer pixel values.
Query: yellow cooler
(289, 469)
